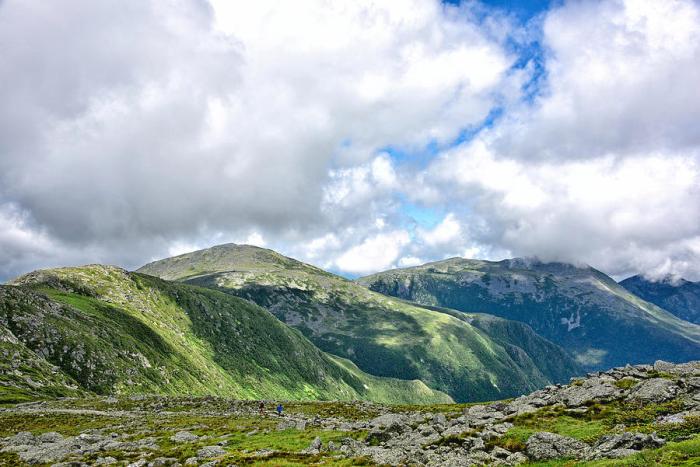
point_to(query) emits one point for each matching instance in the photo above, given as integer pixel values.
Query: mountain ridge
(580, 308)
(383, 336)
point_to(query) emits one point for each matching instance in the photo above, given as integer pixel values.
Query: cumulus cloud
(374, 254)
(139, 127)
(133, 130)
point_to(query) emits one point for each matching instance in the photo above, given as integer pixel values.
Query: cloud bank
(134, 130)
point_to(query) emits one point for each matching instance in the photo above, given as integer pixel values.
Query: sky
(357, 136)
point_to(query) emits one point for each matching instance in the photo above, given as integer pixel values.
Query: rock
(162, 462)
(544, 446)
(286, 425)
(301, 425)
(621, 445)
(654, 390)
(191, 461)
(184, 437)
(663, 366)
(210, 451)
(105, 460)
(500, 453)
(591, 389)
(387, 420)
(517, 458)
(50, 437)
(439, 419)
(314, 447)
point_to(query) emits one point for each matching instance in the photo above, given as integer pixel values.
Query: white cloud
(374, 253)
(130, 126)
(447, 231)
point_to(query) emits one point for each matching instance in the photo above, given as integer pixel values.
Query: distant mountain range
(676, 295)
(246, 322)
(586, 312)
(468, 357)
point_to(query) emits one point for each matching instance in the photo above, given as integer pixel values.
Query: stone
(50, 437)
(439, 419)
(162, 462)
(592, 389)
(544, 445)
(184, 437)
(210, 451)
(387, 420)
(612, 445)
(654, 390)
(286, 425)
(517, 458)
(105, 460)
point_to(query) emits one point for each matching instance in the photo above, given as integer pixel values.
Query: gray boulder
(544, 445)
(210, 451)
(624, 444)
(184, 437)
(654, 390)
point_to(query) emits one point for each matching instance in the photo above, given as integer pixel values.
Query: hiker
(261, 407)
(279, 409)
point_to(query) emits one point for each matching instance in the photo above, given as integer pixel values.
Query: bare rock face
(544, 445)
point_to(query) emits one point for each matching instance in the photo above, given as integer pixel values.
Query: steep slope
(383, 336)
(119, 332)
(24, 375)
(679, 297)
(581, 309)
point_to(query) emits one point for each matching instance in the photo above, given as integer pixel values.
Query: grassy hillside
(383, 336)
(117, 332)
(679, 297)
(579, 308)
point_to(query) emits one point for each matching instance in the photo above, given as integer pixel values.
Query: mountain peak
(222, 258)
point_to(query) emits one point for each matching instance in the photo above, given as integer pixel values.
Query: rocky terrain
(471, 358)
(579, 308)
(674, 294)
(633, 415)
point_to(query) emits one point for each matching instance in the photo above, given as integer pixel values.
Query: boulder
(654, 390)
(210, 451)
(184, 437)
(544, 445)
(624, 444)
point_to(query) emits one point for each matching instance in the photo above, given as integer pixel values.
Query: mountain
(383, 336)
(583, 310)
(677, 296)
(104, 330)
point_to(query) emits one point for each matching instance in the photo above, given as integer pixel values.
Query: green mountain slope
(383, 336)
(117, 332)
(582, 309)
(679, 297)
